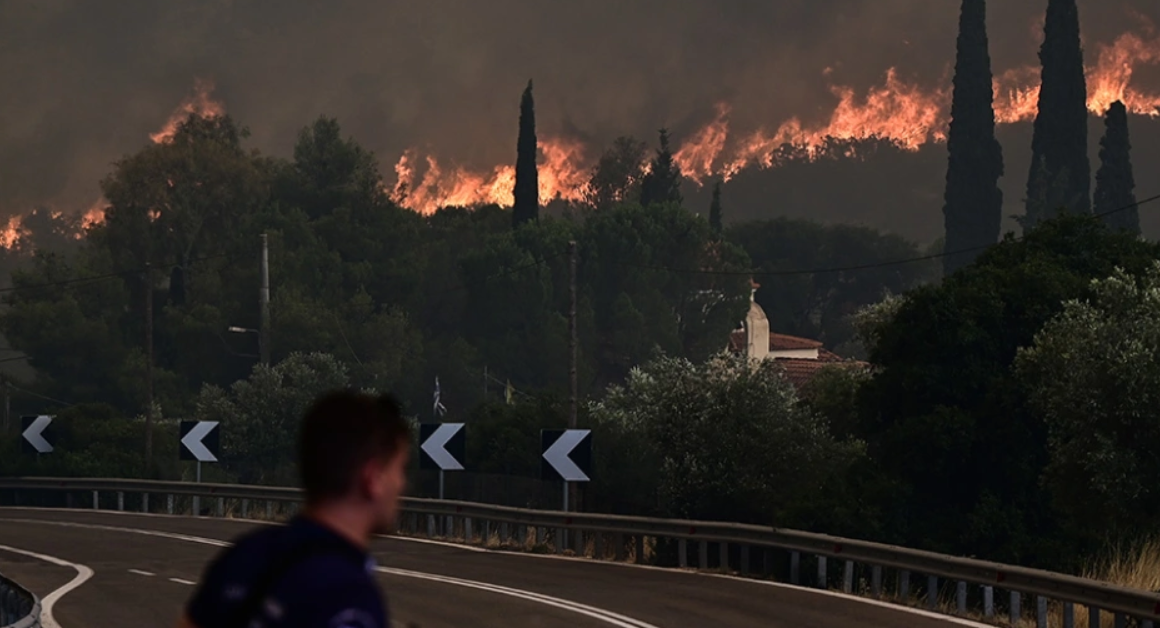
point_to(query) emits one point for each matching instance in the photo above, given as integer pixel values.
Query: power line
(841, 269)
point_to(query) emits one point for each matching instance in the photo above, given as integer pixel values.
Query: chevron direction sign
(567, 454)
(34, 439)
(199, 441)
(442, 446)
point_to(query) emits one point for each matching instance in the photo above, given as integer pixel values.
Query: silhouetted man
(316, 571)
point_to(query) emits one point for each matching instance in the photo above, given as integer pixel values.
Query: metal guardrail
(19, 608)
(1054, 593)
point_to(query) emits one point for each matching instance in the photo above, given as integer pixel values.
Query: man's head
(353, 453)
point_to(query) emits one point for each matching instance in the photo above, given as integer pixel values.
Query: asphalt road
(144, 568)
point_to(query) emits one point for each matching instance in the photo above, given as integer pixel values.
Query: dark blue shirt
(328, 583)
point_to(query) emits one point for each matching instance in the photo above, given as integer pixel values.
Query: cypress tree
(1061, 126)
(973, 210)
(526, 204)
(715, 222)
(1115, 183)
(662, 184)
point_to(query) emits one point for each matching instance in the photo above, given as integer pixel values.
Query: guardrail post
(961, 597)
(821, 584)
(1093, 616)
(197, 505)
(468, 537)
(1040, 612)
(848, 577)
(988, 601)
(795, 560)
(1069, 615)
(932, 592)
(96, 501)
(120, 500)
(578, 542)
(703, 554)
(221, 507)
(522, 536)
(1146, 623)
(169, 503)
(598, 545)
(559, 540)
(640, 549)
(876, 581)
(1016, 610)
(503, 533)
(618, 552)
(1120, 620)
(723, 548)
(745, 560)
(68, 499)
(269, 509)
(431, 526)
(682, 553)
(144, 502)
(904, 586)
(245, 509)
(541, 536)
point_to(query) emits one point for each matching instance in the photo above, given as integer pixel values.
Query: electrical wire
(857, 267)
(112, 275)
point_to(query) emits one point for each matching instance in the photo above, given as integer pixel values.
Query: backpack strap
(247, 610)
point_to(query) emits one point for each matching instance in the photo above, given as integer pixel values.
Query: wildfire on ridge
(897, 110)
(563, 171)
(201, 103)
(11, 232)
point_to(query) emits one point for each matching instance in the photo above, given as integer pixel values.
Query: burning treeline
(899, 111)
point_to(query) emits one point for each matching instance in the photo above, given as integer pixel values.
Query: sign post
(567, 455)
(200, 442)
(442, 446)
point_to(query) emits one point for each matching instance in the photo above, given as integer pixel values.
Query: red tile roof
(800, 371)
(781, 342)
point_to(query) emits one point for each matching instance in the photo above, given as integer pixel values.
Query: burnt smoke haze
(89, 82)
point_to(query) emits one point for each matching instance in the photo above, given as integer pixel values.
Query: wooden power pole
(574, 496)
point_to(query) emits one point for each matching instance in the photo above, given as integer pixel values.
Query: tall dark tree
(715, 222)
(1115, 184)
(662, 184)
(1061, 127)
(974, 203)
(526, 207)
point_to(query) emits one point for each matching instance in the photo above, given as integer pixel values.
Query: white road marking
(182, 581)
(474, 548)
(605, 616)
(142, 573)
(608, 617)
(49, 601)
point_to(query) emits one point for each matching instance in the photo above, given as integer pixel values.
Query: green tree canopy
(943, 413)
(1093, 375)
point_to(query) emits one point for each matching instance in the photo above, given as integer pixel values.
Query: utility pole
(148, 369)
(571, 487)
(7, 405)
(264, 304)
(572, 333)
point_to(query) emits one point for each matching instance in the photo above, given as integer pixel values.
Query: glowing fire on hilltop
(563, 171)
(201, 103)
(897, 110)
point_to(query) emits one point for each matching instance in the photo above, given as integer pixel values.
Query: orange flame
(94, 216)
(201, 103)
(12, 231)
(562, 172)
(897, 110)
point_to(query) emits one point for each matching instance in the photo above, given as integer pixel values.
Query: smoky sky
(85, 82)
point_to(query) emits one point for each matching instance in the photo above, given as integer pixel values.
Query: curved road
(144, 567)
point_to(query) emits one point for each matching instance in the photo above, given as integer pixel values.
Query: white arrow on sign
(192, 441)
(436, 443)
(35, 437)
(559, 455)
